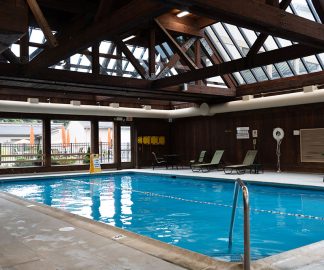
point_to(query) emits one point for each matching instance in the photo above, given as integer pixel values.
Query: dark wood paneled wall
(191, 135)
(152, 127)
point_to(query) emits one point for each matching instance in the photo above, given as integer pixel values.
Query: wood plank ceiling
(178, 56)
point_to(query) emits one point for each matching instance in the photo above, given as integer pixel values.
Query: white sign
(242, 133)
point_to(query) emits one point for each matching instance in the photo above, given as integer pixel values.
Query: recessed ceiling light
(128, 38)
(183, 13)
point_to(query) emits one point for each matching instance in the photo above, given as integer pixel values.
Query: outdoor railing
(22, 155)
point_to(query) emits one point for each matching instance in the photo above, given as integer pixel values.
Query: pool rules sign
(95, 163)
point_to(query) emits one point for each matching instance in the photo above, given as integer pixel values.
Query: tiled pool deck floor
(34, 236)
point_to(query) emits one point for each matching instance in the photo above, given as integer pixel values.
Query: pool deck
(34, 236)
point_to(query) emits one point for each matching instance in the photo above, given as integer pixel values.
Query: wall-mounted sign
(154, 140)
(146, 139)
(151, 140)
(161, 140)
(242, 133)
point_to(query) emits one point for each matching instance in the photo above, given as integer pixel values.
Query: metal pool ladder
(245, 192)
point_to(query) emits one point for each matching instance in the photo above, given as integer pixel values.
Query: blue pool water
(193, 214)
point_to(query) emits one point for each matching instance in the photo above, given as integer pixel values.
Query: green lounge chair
(247, 162)
(200, 159)
(206, 167)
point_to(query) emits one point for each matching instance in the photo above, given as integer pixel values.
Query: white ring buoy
(278, 134)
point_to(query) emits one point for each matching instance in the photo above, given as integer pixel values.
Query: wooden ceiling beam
(131, 58)
(258, 16)
(177, 47)
(174, 59)
(122, 20)
(42, 22)
(104, 9)
(75, 82)
(216, 59)
(263, 37)
(10, 56)
(151, 52)
(184, 26)
(219, 91)
(70, 6)
(261, 59)
(278, 85)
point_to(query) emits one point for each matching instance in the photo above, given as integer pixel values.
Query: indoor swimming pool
(191, 213)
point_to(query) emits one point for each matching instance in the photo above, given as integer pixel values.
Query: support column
(94, 137)
(24, 48)
(119, 62)
(95, 59)
(151, 49)
(47, 142)
(117, 145)
(198, 57)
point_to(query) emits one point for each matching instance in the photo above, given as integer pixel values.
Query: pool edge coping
(132, 171)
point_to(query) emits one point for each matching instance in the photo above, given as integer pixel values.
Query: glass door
(125, 144)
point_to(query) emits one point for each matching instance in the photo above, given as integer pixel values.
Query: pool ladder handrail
(245, 194)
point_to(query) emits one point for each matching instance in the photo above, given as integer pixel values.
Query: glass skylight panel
(145, 55)
(216, 82)
(249, 34)
(161, 53)
(218, 45)
(284, 69)
(15, 48)
(297, 66)
(85, 61)
(312, 63)
(283, 42)
(36, 36)
(238, 39)
(167, 48)
(301, 8)
(313, 11)
(321, 57)
(272, 72)
(238, 78)
(248, 76)
(130, 68)
(104, 47)
(74, 59)
(226, 41)
(102, 60)
(124, 64)
(259, 74)
(32, 49)
(111, 64)
(270, 44)
(138, 53)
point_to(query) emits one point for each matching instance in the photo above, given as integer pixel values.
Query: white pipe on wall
(204, 110)
(270, 102)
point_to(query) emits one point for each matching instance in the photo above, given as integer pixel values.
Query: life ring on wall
(278, 134)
